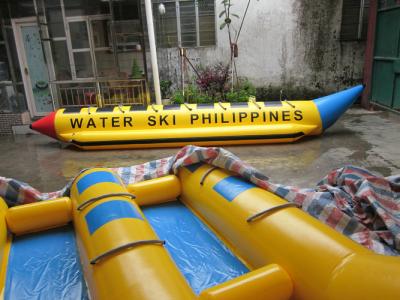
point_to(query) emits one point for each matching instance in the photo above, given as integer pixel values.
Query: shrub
(136, 72)
(165, 86)
(246, 86)
(195, 95)
(177, 97)
(191, 95)
(214, 80)
(242, 92)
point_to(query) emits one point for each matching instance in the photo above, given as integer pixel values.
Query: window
(354, 20)
(56, 32)
(4, 73)
(85, 7)
(185, 23)
(88, 42)
(90, 46)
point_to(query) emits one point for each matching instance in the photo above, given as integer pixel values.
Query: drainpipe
(153, 53)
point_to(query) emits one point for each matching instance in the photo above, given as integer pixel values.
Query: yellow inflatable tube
(122, 256)
(291, 255)
(201, 124)
(262, 228)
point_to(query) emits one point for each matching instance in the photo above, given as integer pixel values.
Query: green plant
(194, 94)
(136, 72)
(214, 80)
(191, 95)
(165, 86)
(242, 92)
(237, 96)
(247, 86)
(178, 97)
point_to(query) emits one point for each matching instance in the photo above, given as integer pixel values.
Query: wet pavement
(362, 138)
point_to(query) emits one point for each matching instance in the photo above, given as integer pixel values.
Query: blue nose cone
(333, 106)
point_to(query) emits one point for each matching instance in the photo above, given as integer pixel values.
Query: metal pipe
(153, 53)
(360, 20)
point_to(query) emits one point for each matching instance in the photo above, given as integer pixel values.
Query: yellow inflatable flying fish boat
(200, 124)
(224, 239)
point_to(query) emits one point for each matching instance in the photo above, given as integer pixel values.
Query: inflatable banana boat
(223, 239)
(200, 124)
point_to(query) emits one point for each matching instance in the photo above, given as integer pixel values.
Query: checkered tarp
(355, 202)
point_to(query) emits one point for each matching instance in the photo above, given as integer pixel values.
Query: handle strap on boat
(223, 107)
(285, 100)
(270, 210)
(206, 174)
(187, 106)
(126, 246)
(120, 108)
(92, 200)
(154, 108)
(290, 104)
(255, 103)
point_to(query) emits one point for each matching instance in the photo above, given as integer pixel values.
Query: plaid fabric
(353, 201)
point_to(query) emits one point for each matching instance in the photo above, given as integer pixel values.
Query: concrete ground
(362, 138)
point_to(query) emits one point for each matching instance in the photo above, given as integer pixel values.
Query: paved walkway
(362, 138)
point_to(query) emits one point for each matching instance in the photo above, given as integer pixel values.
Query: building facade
(57, 53)
(308, 45)
(61, 53)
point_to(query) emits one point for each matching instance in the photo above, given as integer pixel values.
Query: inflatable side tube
(5, 244)
(262, 229)
(269, 282)
(39, 216)
(122, 256)
(156, 191)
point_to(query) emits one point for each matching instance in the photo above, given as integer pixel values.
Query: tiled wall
(8, 120)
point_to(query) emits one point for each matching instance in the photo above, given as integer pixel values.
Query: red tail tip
(46, 125)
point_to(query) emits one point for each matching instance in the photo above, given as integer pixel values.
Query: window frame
(178, 23)
(359, 36)
(92, 48)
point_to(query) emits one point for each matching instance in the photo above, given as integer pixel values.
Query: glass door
(33, 66)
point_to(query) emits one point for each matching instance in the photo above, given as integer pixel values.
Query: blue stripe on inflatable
(231, 187)
(192, 168)
(110, 211)
(199, 254)
(331, 107)
(94, 178)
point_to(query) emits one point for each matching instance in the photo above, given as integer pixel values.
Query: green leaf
(235, 15)
(222, 26)
(222, 13)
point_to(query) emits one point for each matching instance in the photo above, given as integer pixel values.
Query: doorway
(386, 70)
(33, 66)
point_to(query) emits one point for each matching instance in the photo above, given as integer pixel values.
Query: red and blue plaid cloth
(355, 202)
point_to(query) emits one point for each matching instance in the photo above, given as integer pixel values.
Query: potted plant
(165, 86)
(136, 71)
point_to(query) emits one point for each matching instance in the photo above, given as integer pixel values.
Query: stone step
(23, 129)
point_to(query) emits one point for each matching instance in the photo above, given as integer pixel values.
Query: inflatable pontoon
(223, 239)
(200, 124)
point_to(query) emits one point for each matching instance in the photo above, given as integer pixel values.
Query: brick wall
(8, 120)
